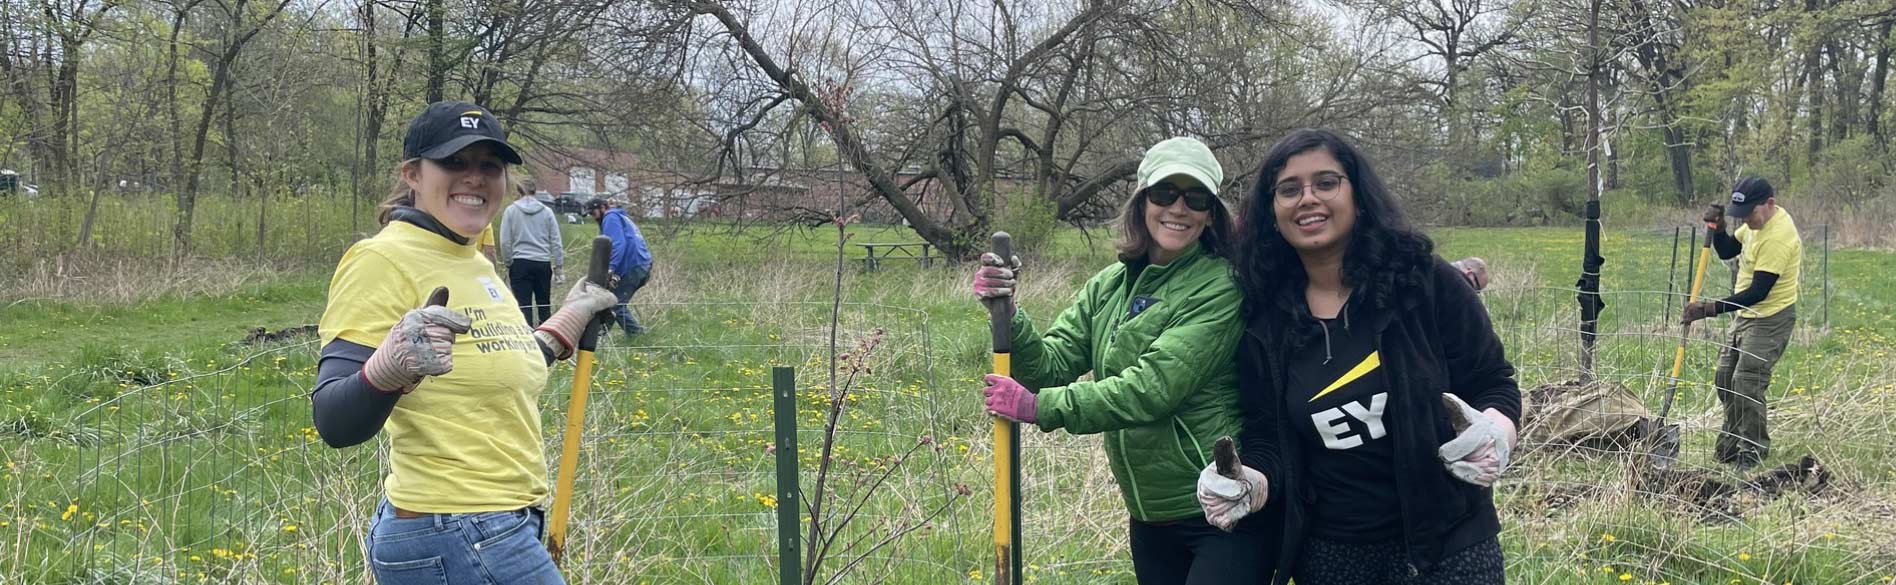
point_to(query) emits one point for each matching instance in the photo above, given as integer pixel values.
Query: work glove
(1228, 500)
(1698, 310)
(1475, 270)
(1008, 399)
(583, 302)
(559, 278)
(1715, 217)
(996, 279)
(1479, 452)
(612, 281)
(421, 344)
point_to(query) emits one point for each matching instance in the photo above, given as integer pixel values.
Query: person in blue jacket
(631, 261)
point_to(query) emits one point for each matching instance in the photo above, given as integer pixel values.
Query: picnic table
(875, 252)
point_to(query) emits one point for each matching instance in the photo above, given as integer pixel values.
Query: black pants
(1326, 562)
(532, 284)
(1193, 552)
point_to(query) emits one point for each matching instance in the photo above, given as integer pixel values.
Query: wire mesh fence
(204, 468)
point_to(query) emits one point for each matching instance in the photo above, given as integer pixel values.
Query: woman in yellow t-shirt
(421, 337)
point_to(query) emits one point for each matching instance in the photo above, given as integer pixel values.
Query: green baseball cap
(1180, 156)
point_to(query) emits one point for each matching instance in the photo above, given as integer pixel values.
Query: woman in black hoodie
(1379, 406)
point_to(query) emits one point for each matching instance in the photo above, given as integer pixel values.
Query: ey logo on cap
(1737, 196)
(471, 119)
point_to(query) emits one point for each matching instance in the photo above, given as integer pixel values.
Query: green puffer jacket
(1164, 387)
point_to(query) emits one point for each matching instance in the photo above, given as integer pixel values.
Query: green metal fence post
(789, 493)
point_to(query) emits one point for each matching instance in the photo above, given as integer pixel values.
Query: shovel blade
(1665, 447)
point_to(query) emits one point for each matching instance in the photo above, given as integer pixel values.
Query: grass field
(142, 442)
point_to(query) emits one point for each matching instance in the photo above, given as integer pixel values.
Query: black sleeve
(1478, 367)
(347, 410)
(1728, 247)
(1258, 440)
(1761, 283)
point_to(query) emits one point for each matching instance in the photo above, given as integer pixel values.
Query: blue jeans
(455, 549)
(629, 283)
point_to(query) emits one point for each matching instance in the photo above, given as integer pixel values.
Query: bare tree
(241, 26)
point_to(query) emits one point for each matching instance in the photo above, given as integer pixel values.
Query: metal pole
(1826, 277)
(1672, 274)
(789, 492)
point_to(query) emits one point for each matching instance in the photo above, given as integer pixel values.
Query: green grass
(186, 457)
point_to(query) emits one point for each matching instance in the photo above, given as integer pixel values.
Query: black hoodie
(1434, 337)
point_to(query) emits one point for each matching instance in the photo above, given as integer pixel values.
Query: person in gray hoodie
(530, 247)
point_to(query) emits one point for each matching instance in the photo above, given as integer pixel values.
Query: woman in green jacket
(1157, 330)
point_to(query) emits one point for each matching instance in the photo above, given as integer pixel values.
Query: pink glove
(996, 279)
(1008, 399)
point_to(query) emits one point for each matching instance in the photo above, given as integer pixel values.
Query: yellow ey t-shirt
(1776, 249)
(468, 441)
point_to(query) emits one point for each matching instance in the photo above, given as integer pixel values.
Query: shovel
(1665, 441)
(576, 408)
(1007, 549)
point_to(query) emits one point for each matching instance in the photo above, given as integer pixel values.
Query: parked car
(569, 203)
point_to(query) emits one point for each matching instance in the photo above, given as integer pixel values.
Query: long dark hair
(1385, 252)
(1135, 241)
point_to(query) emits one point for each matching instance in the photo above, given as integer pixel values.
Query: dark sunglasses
(1165, 194)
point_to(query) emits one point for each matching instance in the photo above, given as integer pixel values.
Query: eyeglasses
(1165, 194)
(1325, 186)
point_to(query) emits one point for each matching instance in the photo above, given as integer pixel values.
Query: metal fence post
(1672, 275)
(789, 493)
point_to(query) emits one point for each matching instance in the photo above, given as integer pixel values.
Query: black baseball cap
(1747, 194)
(446, 127)
(598, 203)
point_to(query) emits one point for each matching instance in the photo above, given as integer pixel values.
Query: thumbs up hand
(421, 344)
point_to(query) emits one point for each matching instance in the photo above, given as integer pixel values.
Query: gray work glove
(995, 279)
(565, 326)
(1227, 500)
(421, 344)
(1479, 452)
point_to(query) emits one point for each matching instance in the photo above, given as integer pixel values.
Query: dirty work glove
(1475, 270)
(1227, 500)
(1479, 452)
(1008, 399)
(996, 279)
(561, 331)
(421, 344)
(1698, 310)
(1715, 217)
(559, 278)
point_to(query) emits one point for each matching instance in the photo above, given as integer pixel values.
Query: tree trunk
(1879, 74)
(1679, 154)
(437, 50)
(85, 227)
(171, 97)
(1814, 91)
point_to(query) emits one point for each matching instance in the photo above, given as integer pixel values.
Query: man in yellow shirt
(1770, 255)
